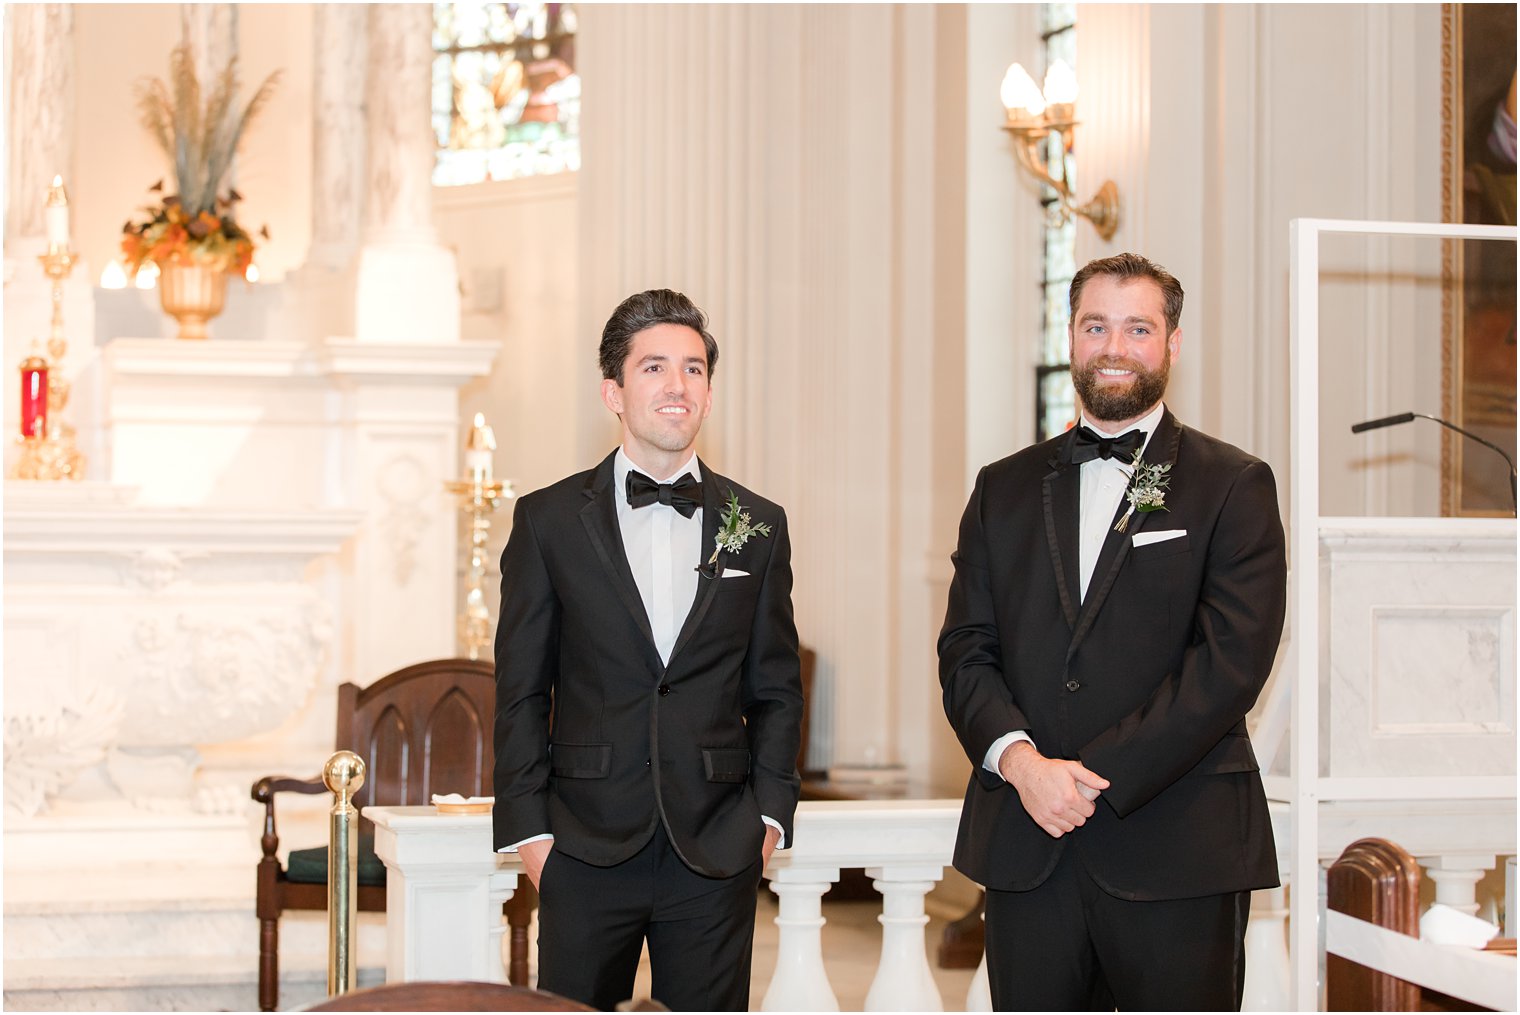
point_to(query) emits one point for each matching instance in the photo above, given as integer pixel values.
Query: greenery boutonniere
(735, 528)
(1147, 489)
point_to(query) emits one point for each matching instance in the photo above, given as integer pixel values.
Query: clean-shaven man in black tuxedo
(1097, 666)
(648, 689)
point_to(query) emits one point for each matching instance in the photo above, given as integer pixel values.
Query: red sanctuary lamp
(34, 392)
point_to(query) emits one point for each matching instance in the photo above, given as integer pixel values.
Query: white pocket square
(733, 572)
(1143, 538)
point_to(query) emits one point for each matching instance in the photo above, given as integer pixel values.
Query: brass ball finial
(344, 773)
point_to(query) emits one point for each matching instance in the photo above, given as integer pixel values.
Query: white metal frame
(1308, 788)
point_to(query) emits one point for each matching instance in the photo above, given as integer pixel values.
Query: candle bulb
(57, 214)
(477, 455)
(34, 396)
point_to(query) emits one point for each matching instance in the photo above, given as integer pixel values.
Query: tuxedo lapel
(599, 516)
(707, 587)
(1162, 450)
(1062, 491)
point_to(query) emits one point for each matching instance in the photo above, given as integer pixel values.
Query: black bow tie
(685, 494)
(1089, 445)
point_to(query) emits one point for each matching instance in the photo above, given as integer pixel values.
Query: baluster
(979, 994)
(1267, 965)
(903, 980)
(503, 885)
(1456, 879)
(800, 982)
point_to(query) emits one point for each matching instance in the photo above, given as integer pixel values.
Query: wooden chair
(461, 995)
(422, 730)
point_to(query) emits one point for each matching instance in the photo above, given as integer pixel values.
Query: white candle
(57, 214)
(477, 456)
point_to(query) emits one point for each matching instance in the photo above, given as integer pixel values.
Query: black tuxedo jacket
(1147, 682)
(705, 745)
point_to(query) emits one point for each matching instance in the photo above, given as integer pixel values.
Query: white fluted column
(408, 285)
(338, 140)
(40, 124)
(800, 982)
(809, 231)
(903, 979)
(1456, 879)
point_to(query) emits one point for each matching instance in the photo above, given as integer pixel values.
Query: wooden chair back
(422, 730)
(1377, 881)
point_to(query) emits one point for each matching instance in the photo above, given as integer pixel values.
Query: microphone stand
(1405, 417)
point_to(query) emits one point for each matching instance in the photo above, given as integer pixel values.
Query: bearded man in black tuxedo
(1111, 621)
(646, 607)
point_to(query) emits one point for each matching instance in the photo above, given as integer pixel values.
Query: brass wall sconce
(1033, 116)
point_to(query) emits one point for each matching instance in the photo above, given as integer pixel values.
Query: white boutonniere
(735, 528)
(1147, 489)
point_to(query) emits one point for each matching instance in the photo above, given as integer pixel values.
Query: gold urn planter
(192, 294)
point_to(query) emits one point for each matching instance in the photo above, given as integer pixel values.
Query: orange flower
(242, 258)
(170, 246)
(210, 221)
(131, 247)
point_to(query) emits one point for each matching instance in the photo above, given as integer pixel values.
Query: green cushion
(309, 866)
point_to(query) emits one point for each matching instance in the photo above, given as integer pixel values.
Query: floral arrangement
(1147, 488)
(196, 225)
(735, 528)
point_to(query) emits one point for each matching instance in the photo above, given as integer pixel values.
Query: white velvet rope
(1480, 977)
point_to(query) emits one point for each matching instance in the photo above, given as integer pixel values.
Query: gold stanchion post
(343, 774)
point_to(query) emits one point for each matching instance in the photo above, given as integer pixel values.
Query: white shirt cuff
(532, 838)
(1001, 744)
(781, 842)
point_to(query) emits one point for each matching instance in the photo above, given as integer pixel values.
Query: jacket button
(1072, 685)
(664, 690)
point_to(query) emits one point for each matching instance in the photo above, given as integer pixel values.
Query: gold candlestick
(53, 454)
(479, 496)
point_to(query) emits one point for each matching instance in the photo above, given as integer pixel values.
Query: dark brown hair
(1126, 268)
(645, 310)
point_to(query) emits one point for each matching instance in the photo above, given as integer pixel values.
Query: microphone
(1377, 424)
(1406, 417)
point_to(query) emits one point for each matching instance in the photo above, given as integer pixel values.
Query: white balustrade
(446, 887)
(905, 846)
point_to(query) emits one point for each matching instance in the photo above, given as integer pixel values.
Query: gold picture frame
(1478, 304)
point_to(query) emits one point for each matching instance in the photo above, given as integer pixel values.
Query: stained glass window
(506, 98)
(1055, 401)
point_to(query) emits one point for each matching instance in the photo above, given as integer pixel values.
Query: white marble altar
(1420, 632)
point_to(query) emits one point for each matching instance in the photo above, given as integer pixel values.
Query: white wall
(517, 246)
(1221, 123)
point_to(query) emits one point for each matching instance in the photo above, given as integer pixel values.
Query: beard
(1106, 403)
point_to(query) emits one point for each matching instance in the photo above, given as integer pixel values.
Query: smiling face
(663, 398)
(1121, 356)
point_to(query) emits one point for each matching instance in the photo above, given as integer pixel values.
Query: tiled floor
(851, 950)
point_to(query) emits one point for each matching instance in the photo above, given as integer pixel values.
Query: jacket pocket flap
(726, 764)
(580, 761)
(1232, 754)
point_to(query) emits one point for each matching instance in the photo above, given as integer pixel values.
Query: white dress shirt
(664, 550)
(1104, 481)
